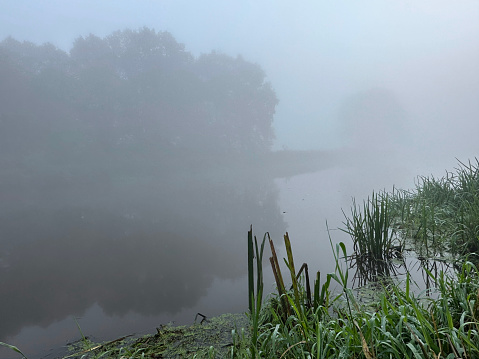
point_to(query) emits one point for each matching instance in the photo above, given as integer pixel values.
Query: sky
(316, 54)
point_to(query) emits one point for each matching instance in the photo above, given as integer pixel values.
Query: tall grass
(255, 296)
(398, 324)
(373, 236)
(370, 228)
(441, 216)
(14, 348)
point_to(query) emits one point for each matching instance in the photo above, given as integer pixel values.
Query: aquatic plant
(439, 322)
(217, 337)
(399, 323)
(14, 348)
(255, 296)
(374, 240)
(441, 216)
(370, 229)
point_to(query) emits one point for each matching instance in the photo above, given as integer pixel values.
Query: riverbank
(207, 337)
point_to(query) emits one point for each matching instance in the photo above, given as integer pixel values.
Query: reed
(398, 324)
(14, 348)
(255, 295)
(370, 229)
(374, 237)
(441, 322)
(301, 288)
(441, 216)
(399, 206)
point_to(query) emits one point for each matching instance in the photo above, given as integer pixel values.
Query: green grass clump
(370, 229)
(441, 216)
(440, 220)
(374, 239)
(218, 337)
(398, 324)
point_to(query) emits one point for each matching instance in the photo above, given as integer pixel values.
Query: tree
(131, 102)
(239, 104)
(121, 144)
(373, 119)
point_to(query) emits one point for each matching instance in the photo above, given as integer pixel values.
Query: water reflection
(147, 246)
(423, 272)
(428, 267)
(156, 241)
(370, 270)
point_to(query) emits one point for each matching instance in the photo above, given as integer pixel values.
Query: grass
(370, 229)
(14, 348)
(441, 215)
(255, 296)
(373, 236)
(217, 337)
(439, 219)
(398, 324)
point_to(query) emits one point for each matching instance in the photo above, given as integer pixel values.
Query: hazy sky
(315, 53)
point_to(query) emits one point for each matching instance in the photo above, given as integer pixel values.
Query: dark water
(125, 256)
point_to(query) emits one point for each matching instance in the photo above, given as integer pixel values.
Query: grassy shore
(439, 220)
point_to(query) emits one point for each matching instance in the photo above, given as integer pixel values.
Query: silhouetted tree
(132, 102)
(142, 89)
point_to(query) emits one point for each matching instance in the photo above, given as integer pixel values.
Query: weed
(14, 348)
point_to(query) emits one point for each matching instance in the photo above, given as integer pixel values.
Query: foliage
(439, 323)
(131, 104)
(441, 216)
(373, 237)
(132, 90)
(255, 296)
(216, 337)
(14, 348)
(398, 324)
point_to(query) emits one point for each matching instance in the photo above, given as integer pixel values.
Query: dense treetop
(135, 91)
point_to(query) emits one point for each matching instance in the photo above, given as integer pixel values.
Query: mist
(140, 141)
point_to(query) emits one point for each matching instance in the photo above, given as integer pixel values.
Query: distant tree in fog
(131, 144)
(373, 119)
(237, 101)
(132, 123)
(133, 90)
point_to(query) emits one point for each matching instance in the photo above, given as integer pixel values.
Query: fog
(315, 54)
(140, 140)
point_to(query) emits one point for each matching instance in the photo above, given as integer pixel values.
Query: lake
(125, 254)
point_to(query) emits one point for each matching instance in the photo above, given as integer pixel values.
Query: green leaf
(14, 348)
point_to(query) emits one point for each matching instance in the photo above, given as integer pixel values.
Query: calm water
(127, 257)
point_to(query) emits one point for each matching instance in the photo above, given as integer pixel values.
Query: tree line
(133, 93)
